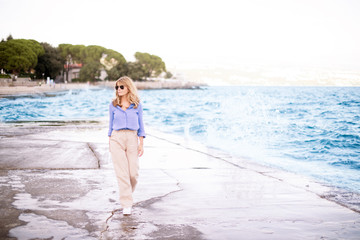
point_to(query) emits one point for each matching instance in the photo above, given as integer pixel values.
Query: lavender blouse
(130, 119)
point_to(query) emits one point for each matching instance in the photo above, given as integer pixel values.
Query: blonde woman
(126, 138)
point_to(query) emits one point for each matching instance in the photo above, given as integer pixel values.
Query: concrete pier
(57, 182)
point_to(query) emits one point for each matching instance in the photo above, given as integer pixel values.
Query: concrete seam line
(321, 195)
(94, 152)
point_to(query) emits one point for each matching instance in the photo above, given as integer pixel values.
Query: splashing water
(309, 130)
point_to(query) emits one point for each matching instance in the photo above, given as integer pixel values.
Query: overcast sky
(197, 32)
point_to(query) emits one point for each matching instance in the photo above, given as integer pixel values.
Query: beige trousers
(124, 154)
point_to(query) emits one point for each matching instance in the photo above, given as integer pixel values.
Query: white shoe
(127, 211)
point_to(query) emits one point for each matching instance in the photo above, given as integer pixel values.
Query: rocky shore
(28, 89)
(163, 84)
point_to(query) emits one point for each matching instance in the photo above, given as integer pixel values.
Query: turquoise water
(314, 131)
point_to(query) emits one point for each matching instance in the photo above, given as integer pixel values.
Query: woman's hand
(109, 145)
(141, 146)
(140, 150)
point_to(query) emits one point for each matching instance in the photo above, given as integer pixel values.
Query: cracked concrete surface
(57, 182)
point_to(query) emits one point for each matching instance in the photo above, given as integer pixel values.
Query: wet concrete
(57, 182)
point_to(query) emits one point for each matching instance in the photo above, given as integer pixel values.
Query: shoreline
(141, 85)
(10, 91)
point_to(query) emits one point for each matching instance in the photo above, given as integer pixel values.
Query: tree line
(41, 60)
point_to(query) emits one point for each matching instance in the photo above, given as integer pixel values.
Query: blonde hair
(132, 95)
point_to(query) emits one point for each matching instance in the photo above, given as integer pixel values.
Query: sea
(311, 131)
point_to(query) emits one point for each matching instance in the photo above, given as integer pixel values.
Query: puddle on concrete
(64, 195)
(41, 227)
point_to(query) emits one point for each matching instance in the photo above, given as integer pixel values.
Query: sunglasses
(121, 87)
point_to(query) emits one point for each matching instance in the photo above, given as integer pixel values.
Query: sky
(194, 33)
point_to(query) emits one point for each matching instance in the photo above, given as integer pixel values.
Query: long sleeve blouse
(130, 119)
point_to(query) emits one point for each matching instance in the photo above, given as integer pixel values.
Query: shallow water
(314, 131)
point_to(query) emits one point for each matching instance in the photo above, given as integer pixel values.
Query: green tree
(92, 53)
(50, 63)
(135, 70)
(169, 75)
(84, 54)
(71, 54)
(18, 55)
(114, 56)
(114, 64)
(117, 71)
(90, 71)
(110, 60)
(113, 73)
(152, 64)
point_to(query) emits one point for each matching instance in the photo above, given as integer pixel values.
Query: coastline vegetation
(27, 57)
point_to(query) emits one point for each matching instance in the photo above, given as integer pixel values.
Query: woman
(126, 137)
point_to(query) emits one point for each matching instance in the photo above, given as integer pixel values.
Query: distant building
(73, 71)
(103, 74)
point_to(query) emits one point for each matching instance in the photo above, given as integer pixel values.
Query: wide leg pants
(124, 154)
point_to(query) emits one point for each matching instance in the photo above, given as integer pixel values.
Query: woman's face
(122, 90)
